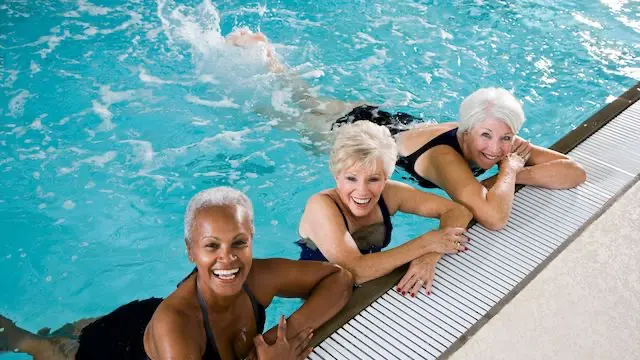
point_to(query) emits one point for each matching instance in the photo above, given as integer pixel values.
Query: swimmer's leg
(16, 339)
(315, 111)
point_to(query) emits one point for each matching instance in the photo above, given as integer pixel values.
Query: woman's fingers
(305, 354)
(282, 329)
(407, 282)
(301, 341)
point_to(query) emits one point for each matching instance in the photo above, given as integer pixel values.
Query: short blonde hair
(363, 143)
(497, 103)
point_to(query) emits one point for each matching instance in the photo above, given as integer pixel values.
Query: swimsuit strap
(258, 309)
(446, 138)
(386, 217)
(344, 218)
(211, 348)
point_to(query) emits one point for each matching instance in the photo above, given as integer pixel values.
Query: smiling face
(488, 142)
(221, 247)
(359, 187)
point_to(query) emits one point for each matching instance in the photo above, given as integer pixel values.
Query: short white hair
(363, 143)
(496, 103)
(214, 197)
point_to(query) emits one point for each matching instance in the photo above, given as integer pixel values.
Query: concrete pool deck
(584, 305)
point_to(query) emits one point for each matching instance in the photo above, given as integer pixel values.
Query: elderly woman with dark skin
(218, 311)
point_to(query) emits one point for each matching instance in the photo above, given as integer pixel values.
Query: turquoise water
(115, 113)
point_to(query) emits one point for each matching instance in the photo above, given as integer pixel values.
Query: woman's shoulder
(411, 140)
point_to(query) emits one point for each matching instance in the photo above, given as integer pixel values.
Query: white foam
(103, 112)
(615, 5)
(71, 14)
(42, 206)
(208, 174)
(368, 38)
(65, 73)
(111, 97)
(16, 104)
(280, 100)
(34, 67)
(224, 103)
(145, 77)
(98, 161)
(632, 72)
(142, 150)
(583, 19)
(85, 6)
(13, 76)
(68, 204)
(427, 77)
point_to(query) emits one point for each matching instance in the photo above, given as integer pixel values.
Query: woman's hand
(294, 349)
(520, 154)
(421, 273)
(450, 241)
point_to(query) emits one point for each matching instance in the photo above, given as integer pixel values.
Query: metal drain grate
(467, 287)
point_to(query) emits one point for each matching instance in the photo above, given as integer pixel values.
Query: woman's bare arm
(323, 224)
(325, 287)
(491, 208)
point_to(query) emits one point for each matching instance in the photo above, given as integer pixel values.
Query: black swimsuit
(448, 138)
(120, 334)
(308, 253)
(211, 351)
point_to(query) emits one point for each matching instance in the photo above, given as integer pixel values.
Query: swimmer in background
(217, 312)
(447, 155)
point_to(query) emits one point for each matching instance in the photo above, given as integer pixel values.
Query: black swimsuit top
(448, 138)
(368, 238)
(211, 351)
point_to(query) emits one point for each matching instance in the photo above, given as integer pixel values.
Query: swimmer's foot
(11, 336)
(15, 339)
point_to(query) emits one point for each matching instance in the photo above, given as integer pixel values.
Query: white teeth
(226, 274)
(489, 156)
(361, 201)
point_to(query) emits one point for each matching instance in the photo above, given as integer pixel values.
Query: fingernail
(413, 295)
(398, 289)
(428, 292)
(404, 292)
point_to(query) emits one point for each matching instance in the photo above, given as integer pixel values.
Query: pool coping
(372, 290)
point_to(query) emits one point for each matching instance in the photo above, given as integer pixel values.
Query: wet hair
(214, 197)
(496, 103)
(363, 143)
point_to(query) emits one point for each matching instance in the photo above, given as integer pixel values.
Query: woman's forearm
(372, 266)
(498, 200)
(327, 298)
(459, 216)
(557, 174)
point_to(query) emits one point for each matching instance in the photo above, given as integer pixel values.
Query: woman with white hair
(217, 312)
(451, 155)
(350, 224)
(448, 155)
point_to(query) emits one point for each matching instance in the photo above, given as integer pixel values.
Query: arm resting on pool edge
(491, 208)
(324, 225)
(548, 169)
(325, 287)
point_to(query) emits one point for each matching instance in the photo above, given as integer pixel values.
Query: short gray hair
(363, 142)
(491, 102)
(217, 196)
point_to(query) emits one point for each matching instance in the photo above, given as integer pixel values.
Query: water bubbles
(69, 204)
(74, 258)
(84, 244)
(48, 278)
(274, 222)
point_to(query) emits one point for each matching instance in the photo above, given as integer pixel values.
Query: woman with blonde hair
(350, 224)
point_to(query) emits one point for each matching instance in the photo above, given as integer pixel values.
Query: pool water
(115, 113)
